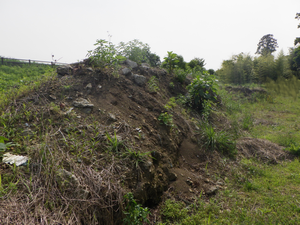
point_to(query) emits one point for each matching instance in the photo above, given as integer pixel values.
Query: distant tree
(266, 45)
(211, 71)
(154, 59)
(196, 62)
(237, 70)
(295, 61)
(297, 40)
(181, 63)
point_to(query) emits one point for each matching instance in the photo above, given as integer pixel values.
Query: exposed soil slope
(93, 136)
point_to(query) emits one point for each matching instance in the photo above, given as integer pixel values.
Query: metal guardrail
(5, 61)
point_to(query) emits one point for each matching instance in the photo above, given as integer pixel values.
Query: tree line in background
(243, 68)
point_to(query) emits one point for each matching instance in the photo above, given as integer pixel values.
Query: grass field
(15, 80)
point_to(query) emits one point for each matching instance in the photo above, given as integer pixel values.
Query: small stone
(82, 103)
(112, 117)
(212, 190)
(52, 97)
(139, 79)
(89, 86)
(172, 176)
(126, 71)
(69, 111)
(189, 182)
(64, 70)
(130, 63)
(145, 65)
(87, 110)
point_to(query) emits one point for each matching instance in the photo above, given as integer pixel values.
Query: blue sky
(211, 29)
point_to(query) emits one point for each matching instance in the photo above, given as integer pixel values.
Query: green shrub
(220, 141)
(135, 213)
(174, 211)
(201, 89)
(105, 54)
(138, 52)
(166, 119)
(180, 75)
(247, 122)
(153, 84)
(294, 149)
(113, 143)
(170, 61)
(171, 104)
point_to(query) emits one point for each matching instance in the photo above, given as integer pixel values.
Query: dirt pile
(93, 135)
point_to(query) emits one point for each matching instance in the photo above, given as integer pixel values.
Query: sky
(210, 29)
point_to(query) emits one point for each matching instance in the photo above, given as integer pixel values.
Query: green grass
(11, 76)
(20, 80)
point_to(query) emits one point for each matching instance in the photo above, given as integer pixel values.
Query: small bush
(135, 213)
(219, 141)
(105, 54)
(201, 89)
(180, 75)
(153, 84)
(166, 119)
(174, 211)
(247, 122)
(294, 149)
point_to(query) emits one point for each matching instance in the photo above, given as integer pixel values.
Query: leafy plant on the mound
(153, 84)
(138, 52)
(171, 104)
(4, 146)
(136, 156)
(180, 75)
(202, 88)
(135, 213)
(170, 62)
(113, 143)
(220, 141)
(105, 54)
(166, 119)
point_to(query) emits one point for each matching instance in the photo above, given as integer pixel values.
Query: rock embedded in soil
(130, 63)
(88, 86)
(126, 72)
(139, 79)
(145, 65)
(82, 103)
(212, 190)
(64, 70)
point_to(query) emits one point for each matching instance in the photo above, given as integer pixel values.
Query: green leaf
(2, 139)
(2, 147)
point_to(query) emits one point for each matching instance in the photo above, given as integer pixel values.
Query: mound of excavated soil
(246, 91)
(262, 149)
(75, 113)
